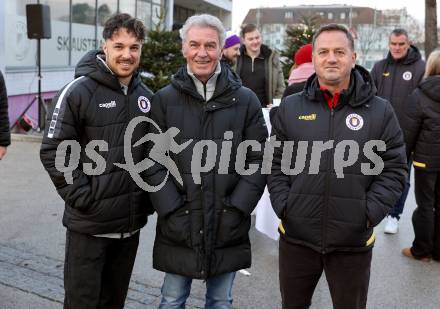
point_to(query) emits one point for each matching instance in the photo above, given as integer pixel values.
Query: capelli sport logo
(310, 117)
(110, 104)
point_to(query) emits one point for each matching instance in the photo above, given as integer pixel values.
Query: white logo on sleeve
(354, 122)
(144, 104)
(407, 75)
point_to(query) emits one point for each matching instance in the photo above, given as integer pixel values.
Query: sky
(416, 8)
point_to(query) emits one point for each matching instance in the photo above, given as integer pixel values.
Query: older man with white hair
(203, 222)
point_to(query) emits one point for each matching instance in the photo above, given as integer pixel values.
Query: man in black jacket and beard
(355, 173)
(204, 217)
(395, 78)
(104, 207)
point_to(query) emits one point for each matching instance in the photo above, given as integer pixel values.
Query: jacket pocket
(233, 227)
(176, 227)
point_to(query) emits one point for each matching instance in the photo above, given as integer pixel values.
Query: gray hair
(204, 20)
(399, 32)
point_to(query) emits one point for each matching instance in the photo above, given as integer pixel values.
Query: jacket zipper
(327, 185)
(203, 252)
(127, 116)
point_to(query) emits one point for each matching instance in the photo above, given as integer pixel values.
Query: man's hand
(2, 152)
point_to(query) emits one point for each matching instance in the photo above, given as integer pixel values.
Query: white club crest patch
(144, 104)
(407, 75)
(354, 122)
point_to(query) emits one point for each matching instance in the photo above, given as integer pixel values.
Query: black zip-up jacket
(94, 107)
(395, 80)
(202, 228)
(421, 124)
(5, 134)
(318, 208)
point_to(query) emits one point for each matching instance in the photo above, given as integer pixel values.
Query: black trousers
(97, 270)
(426, 217)
(347, 274)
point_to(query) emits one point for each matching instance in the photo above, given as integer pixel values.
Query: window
(155, 14)
(22, 51)
(127, 6)
(330, 15)
(106, 8)
(288, 15)
(143, 11)
(342, 15)
(55, 51)
(69, 42)
(83, 29)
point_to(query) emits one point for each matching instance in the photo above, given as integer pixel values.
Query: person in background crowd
(105, 210)
(421, 126)
(395, 78)
(5, 133)
(301, 71)
(231, 50)
(259, 67)
(327, 219)
(203, 225)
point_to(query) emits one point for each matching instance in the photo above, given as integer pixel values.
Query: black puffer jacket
(93, 107)
(395, 80)
(5, 134)
(318, 209)
(421, 124)
(202, 229)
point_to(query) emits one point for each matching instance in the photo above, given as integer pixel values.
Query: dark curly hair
(123, 20)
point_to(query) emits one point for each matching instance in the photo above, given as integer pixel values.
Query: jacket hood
(430, 86)
(412, 56)
(301, 73)
(93, 65)
(360, 91)
(226, 81)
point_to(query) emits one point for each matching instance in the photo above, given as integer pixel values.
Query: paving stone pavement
(43, 276)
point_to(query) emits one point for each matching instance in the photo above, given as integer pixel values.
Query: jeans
(397, 210)
(176, 289)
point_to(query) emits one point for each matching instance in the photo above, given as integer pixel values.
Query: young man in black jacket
(104, 207)
(395, 78)
(349, 170)
(204, 217)
(5, 134)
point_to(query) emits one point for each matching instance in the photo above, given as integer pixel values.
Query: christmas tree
(161, 56)
(297, 36)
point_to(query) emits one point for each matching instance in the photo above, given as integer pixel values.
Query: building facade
(370, 27)
(76, 27)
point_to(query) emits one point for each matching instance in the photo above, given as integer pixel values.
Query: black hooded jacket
(421, 124)
(91, 108)
(322, 205)
(5, 134)
(202, 228)
(396, 79)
